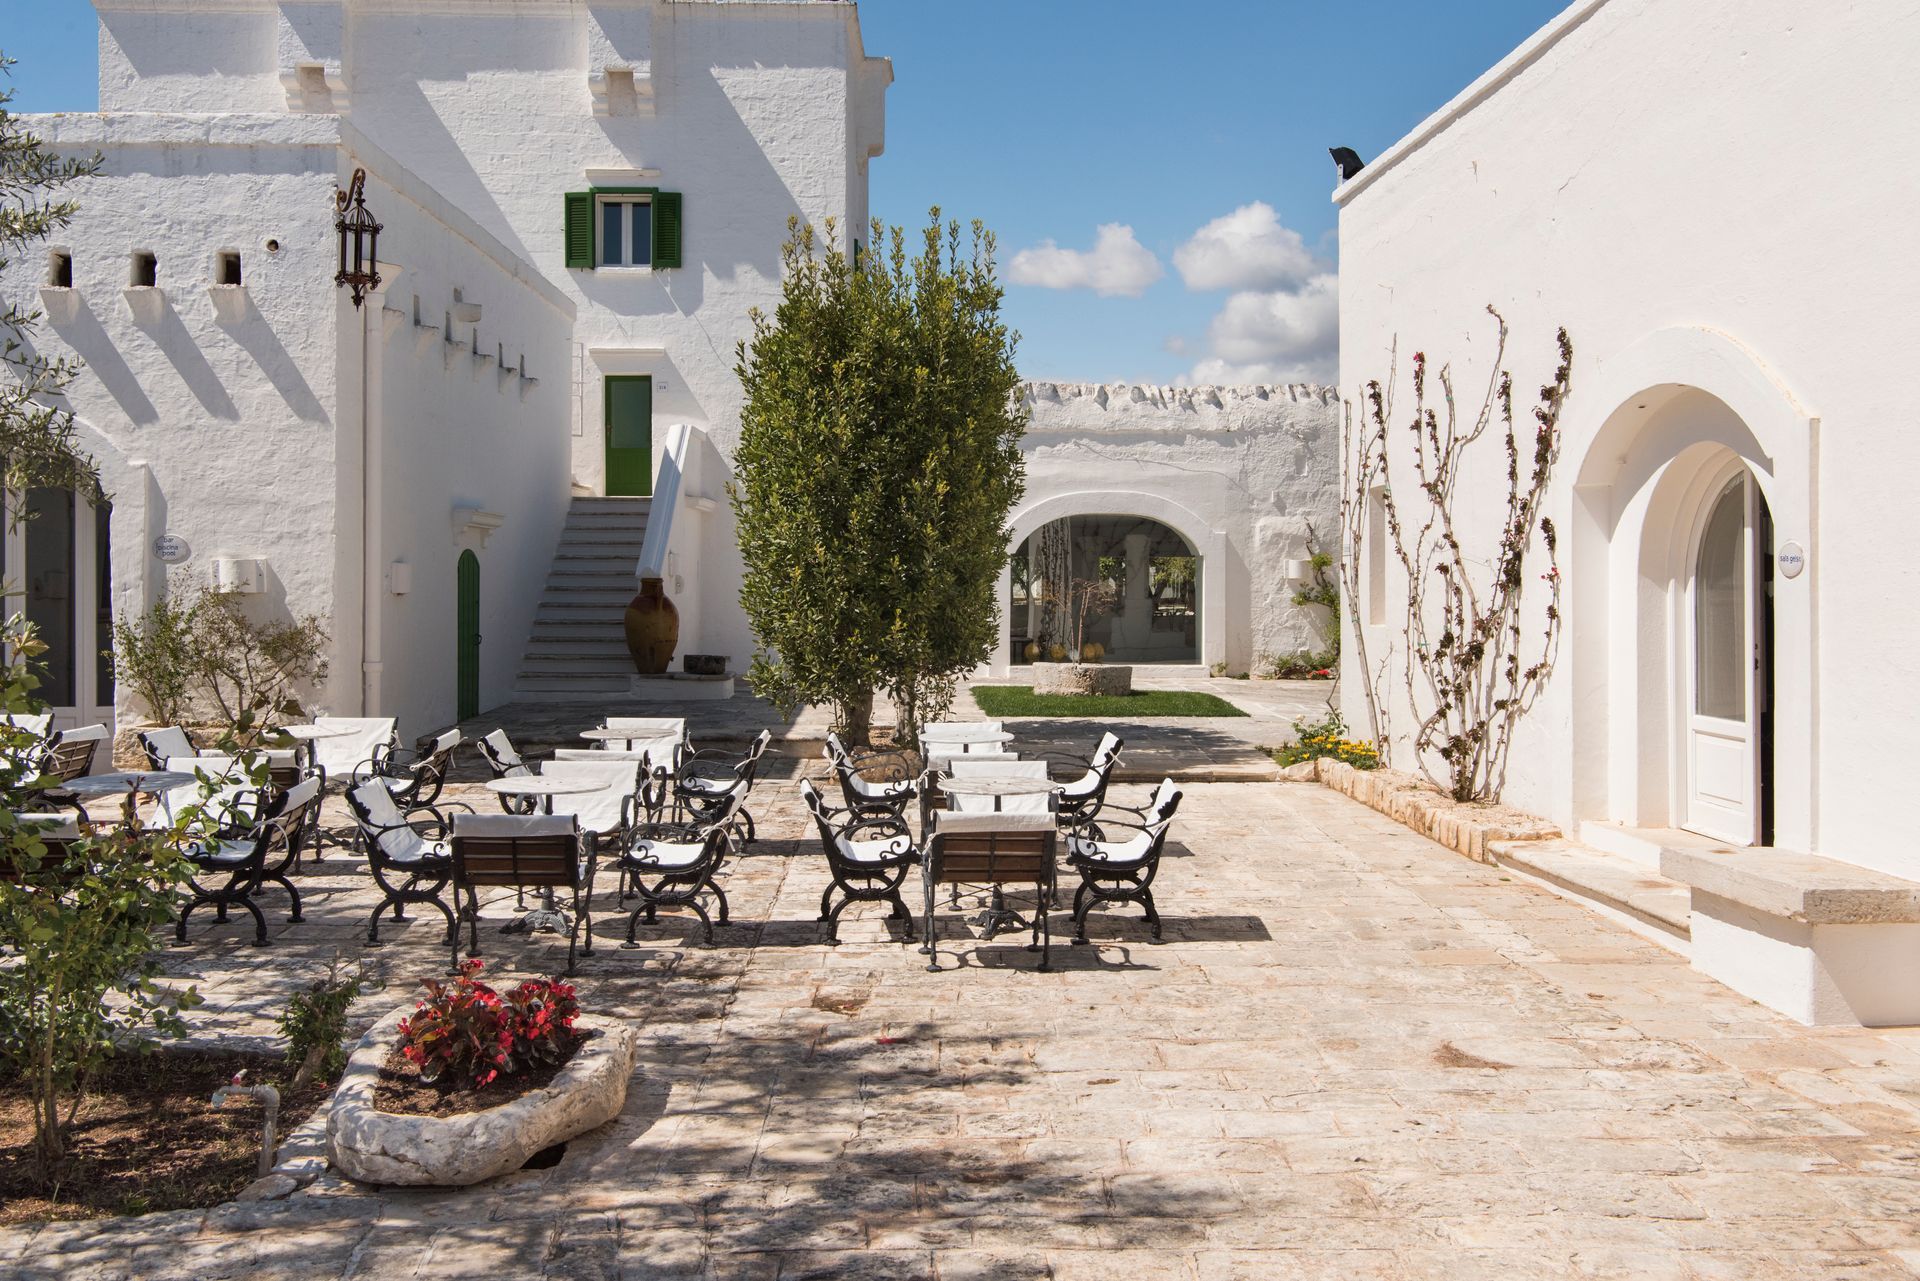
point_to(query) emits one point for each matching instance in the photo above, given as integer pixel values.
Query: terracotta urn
(653, 628)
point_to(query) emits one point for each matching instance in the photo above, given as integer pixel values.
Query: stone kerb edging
(1462, 827)
(385, 1148)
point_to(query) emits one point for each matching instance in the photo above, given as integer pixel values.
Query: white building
(1197, 503)
(581, 201)
(1710, 198)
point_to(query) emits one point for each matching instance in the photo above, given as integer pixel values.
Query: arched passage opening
(1160, 528)
(1129, 585)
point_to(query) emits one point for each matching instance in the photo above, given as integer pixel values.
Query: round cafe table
(967, 734)
(543, 787)
(308, 733)
(130, 784)
(998, 786)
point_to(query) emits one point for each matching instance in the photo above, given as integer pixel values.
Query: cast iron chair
(707, 778)
(413, 775)
(866, 797)
(505, 761)
(674, 864)
(997, 850)
(867, 858)
(1121, 871)
(406, 853)
(1082, 797)
(522, 852)
(241, 857)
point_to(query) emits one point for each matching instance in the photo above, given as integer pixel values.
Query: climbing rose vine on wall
(1469, 672)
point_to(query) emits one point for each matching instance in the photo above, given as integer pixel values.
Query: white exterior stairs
(578, 647)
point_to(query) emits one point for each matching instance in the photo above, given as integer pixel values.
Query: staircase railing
(689, 485)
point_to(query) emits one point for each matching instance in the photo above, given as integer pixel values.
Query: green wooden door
(630, 435)
(467, 666)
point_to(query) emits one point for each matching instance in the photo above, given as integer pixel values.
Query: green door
(467, 666)
(630, 435)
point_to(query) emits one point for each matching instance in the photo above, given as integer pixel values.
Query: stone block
(1082, 678)
(372, 1146)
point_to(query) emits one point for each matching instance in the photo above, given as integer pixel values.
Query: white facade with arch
(1240, 473)
(1701, 194)
(356, 453)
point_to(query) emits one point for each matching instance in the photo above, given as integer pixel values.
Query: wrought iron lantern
(359, 239)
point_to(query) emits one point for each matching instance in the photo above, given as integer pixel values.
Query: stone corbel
(622, 89)
(473, 525)
(315, 87)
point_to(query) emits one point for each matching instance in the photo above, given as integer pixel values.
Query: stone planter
(382, 1147)
(1081, 678)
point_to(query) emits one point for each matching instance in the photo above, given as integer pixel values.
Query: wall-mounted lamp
(359, 239)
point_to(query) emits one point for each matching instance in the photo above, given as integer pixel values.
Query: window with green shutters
(594, 240)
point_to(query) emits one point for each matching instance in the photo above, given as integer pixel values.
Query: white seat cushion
(878, 850)
(1129, 851)
(880, 791)
(667, 855)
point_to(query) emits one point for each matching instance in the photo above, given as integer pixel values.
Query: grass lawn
(1001, 701)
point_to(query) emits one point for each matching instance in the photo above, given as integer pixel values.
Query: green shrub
(1327, 738)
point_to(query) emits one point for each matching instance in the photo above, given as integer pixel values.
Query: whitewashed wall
(213, 421)
(754, 112)
(1708, 195)
(1239, 471)
(757, 113)
(459, 431)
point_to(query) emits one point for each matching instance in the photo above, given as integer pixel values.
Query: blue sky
(1053, 119)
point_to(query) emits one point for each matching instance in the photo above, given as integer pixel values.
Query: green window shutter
(579, 229)
(667, 229)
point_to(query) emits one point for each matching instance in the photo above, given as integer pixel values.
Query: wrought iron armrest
(438, 820)
(882, 821)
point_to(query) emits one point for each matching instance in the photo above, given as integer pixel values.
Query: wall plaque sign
(1793, 559)
(171, 549)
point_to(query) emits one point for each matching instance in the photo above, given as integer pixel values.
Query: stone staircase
(578, 648)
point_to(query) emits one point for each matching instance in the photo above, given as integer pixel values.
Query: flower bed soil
(147, 1138)
(402, 1092)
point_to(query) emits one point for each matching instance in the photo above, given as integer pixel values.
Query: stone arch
(1677, 408)
(1210, 543)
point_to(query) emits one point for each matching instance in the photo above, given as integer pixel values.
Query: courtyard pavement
(1190, 748)
(1354, 1055)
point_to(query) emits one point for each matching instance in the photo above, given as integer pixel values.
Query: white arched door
(1727, 646)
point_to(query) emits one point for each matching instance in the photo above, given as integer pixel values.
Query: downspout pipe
(372, 491)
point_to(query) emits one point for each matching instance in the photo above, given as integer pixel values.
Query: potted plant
(473, 1081)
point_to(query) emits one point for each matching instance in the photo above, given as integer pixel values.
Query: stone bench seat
(1823, 941)
(1800, 887)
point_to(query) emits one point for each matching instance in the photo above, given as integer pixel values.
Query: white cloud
(1247, 249)
(1118, 266)
(1275, 336)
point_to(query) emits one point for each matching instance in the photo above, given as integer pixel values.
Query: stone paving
(1199, 748)
(1355, 1055)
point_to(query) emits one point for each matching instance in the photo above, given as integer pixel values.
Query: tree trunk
(856, 719)
(309, 1068)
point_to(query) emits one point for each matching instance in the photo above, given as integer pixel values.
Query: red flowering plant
(465, 1034)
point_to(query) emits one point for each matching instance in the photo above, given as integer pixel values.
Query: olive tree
(879, 459)
(37, 446)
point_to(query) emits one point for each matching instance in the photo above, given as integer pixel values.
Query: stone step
(573, 684)
(614, 599)
(1618, 885)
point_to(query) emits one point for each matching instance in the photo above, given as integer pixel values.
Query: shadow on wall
(251, 330)
(92, 344)
(170, 334)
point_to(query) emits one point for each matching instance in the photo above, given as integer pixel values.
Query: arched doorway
(1727, 627)
(1699, 431)
(467, 658)
(56, 555)
(1129, 584)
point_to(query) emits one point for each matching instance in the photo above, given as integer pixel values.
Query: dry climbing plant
(1470, 674)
